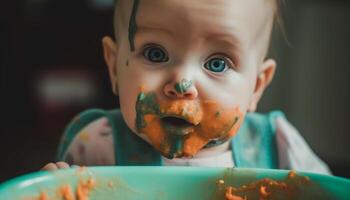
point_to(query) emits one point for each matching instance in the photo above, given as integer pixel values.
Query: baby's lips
(183, 109)
(195, 119)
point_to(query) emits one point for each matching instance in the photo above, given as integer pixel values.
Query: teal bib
(254, 145)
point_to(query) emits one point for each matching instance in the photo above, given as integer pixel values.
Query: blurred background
(52, 68)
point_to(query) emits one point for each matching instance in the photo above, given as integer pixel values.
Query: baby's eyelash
(147, 45)
(154, 53)
(225, 57)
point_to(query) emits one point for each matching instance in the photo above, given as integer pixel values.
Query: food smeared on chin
(181, 127)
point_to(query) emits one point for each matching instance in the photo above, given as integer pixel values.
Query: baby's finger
(50, 167)
(62, 165)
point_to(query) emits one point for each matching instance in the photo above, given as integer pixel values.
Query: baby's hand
(55, 166)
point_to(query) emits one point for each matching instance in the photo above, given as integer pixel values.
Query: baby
(189, 75)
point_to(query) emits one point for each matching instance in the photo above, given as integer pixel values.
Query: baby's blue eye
(155, 54)
(216, 65)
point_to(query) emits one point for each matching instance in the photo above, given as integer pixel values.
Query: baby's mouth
(177, 126)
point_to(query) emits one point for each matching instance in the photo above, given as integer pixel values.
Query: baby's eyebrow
(228, 38)
(229, 42)
(157, 29)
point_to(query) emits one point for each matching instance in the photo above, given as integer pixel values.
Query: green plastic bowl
(147, 183)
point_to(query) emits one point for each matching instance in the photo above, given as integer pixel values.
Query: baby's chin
(166, 152)
(208, 149)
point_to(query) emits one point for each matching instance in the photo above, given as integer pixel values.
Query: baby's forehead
(212, 14)
(246, 19)
(165, 12)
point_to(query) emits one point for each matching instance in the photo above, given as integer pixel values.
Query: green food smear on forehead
(183, 86)
(133, 25)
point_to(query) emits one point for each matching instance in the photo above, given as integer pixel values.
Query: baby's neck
(212, 151)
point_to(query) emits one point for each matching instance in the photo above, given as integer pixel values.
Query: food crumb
(292, 174)
(84, 188)
(266, 188)
(230, 196)
(42, 196)
(110, 184)
(82, 191)
(263, 192)
(66, 192)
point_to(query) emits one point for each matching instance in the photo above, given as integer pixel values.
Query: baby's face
(196, 69)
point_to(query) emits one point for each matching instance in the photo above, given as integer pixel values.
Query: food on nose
(183, 86)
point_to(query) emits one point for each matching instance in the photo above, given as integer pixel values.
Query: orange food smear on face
(142, 88)
(155, 132)
(209, 119)
(190, 110)
(193, 144)
(149, 118)
(216, 122)
(215, 125)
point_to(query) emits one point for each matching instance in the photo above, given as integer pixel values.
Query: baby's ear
(264, 78)
(110, 55)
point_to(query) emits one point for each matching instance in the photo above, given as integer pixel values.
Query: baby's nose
(181, 89)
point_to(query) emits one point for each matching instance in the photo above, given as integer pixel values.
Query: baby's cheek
(156, 133)
(217, 123)
(127, 109)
